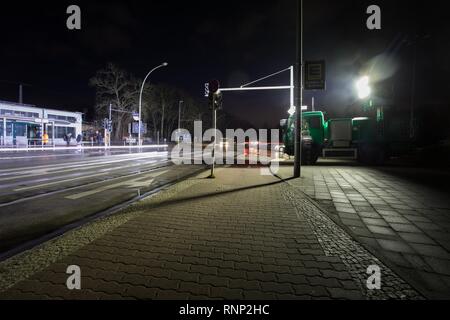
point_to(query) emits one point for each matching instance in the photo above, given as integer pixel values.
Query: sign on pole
(315, 76)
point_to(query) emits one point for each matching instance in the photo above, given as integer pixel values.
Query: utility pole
(299, 97)
(162, 122)
(179, 118)
(20, 93)
(214, 120)
(413, 93)
(215, 102)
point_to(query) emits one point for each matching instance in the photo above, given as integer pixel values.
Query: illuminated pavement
(239, 236)
(43, 191)
(402, 215)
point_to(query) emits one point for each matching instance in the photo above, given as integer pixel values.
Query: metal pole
(312, 104)
(179, 118)
(53, 134)
(214, 119)
(110, 112)
(299, 100)
(20, 93)
(413, 93)
(292, 92)
(140, 99)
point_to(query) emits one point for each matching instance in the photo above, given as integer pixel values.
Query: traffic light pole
(299, 91)
(214, 120)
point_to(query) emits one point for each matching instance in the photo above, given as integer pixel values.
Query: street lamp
(165, 64)
(362, 85)
(179, 118)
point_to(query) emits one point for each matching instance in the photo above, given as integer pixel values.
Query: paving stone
(381, 230)
(431, 251)
(396, 246)
(315, 291)
(226, 293)
(339, 293)
(375, 222)
(441, 266)
(256, 243)
(404, 227)
(416, 238)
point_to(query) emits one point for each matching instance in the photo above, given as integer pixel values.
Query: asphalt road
(41, 192)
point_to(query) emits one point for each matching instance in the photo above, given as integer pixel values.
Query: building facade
(24, 125)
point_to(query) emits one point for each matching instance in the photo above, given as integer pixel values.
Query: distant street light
(362, 85)
(165, 64)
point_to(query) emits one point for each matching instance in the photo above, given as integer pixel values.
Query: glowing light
(362, 85)
(291, 111)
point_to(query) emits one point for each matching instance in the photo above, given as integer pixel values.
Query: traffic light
(214, 96)
(215, 101)
(107, 124)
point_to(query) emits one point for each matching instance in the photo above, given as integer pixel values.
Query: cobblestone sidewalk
(402, 221)
(240, 236)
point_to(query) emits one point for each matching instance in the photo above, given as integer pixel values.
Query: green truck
(370, 140)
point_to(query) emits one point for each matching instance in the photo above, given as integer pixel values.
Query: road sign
(206, 90)
(315, 75)
(135, 128)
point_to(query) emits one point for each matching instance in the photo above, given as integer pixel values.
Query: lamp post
(165, 64)
(299, 92)
(179, 118)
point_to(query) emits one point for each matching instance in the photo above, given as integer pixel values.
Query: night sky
(233, 41)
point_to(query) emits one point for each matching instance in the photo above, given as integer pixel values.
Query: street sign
(315, 75)
(206, 90)
(135, 128)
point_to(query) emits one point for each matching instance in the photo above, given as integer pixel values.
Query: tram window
(6, 112)
(8, 129)
(71, 131)
(21, 129)
(60, 132)
(1, 129)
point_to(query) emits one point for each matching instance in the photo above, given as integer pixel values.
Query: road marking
(89, 184)
(84, 162)
(86, 176)
(43, 172)
(134, 183)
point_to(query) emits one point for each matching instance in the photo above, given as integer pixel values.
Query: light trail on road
(37, 197)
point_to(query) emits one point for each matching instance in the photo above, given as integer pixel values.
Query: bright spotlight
(362, 85)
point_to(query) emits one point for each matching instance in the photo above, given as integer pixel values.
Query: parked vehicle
(370, 140)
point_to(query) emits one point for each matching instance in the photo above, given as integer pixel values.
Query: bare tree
(114, 86)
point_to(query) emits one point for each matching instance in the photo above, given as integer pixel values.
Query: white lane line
(77, 163)
(134, 183)
(38, 196)
(53, 149)
(40, 172)
(106, 171)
